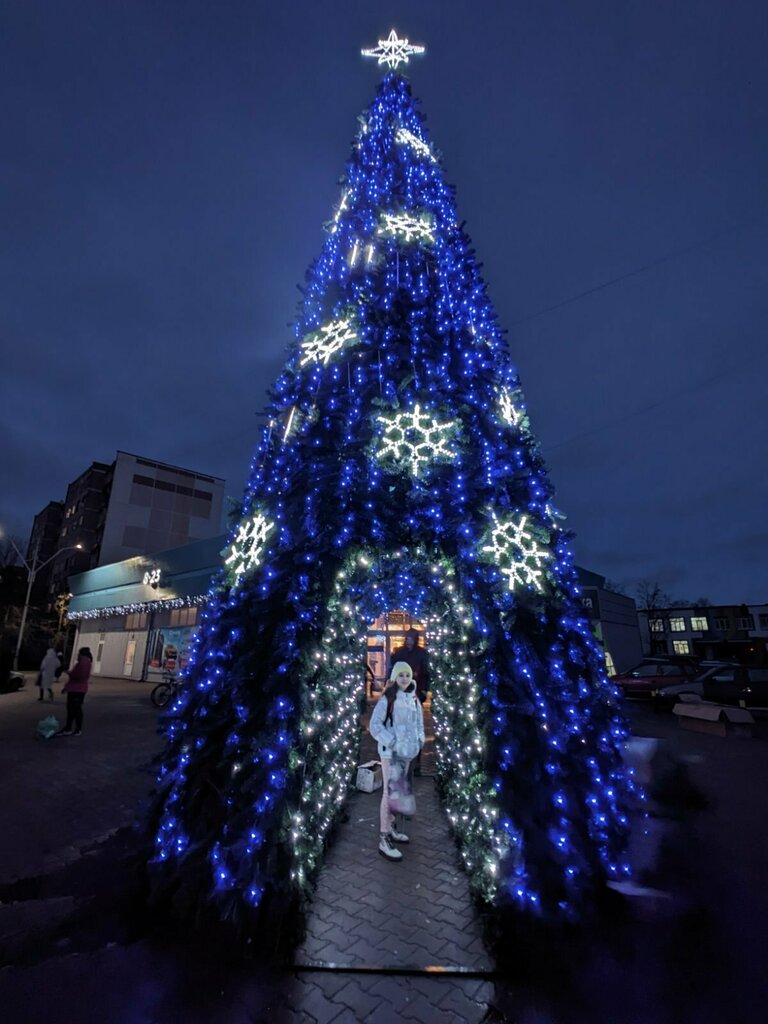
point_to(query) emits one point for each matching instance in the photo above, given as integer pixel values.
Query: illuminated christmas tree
(398, 470)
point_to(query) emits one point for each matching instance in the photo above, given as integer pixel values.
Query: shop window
(681, 647)
(677, 624)
(184, 617)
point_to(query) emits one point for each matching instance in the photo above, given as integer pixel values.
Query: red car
(653, 673)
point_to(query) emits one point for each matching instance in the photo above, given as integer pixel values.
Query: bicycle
(165, 691)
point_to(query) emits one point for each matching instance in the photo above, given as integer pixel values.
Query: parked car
(11, 682)
(651, 674)
(729, 683)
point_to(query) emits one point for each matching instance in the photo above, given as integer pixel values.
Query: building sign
(152, 578)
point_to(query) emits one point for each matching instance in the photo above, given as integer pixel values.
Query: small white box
(369, 776)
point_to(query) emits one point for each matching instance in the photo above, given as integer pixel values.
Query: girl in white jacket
(397, 724)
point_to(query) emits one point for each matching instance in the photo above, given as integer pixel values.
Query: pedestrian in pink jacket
(76, 688)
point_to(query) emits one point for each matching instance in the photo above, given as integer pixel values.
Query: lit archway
(427, 588)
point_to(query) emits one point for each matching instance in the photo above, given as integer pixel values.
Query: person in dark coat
(76, 688)
(416, 658)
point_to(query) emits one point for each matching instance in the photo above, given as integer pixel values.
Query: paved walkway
(691, 955)
(66, 797)
(413, 915)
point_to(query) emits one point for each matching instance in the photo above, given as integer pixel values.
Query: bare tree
(651, 598)
(654, 601)
(8, 553)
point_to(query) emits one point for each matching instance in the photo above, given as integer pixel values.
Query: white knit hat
(398, 667)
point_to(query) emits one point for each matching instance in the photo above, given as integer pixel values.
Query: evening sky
(166, 168)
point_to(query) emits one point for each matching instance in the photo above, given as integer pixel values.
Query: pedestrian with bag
(76, 688)
(397, 725)
(47, 673)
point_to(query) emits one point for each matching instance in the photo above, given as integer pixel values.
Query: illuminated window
(681, 647)
(184, 616)
(677, 624)
(657, 625)
(699, 622)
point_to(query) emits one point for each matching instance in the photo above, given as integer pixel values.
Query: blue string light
(262, 742)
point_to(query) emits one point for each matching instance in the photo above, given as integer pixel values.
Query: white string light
(393, 51)
(415, 439)
(330, 339)
(248, 546)
(407, 227)
(516, 552)
(407, 138)
(509, 411)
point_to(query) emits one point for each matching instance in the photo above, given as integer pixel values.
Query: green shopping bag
(48, 727)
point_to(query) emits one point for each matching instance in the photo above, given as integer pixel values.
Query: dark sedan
(653, 673)
(743, 686)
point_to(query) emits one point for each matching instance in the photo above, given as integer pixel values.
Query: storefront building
(138, 616)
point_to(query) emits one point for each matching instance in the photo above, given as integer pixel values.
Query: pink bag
(399, 790)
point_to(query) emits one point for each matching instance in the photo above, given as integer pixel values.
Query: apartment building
(714, 632)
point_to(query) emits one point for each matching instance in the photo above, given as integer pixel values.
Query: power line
(668, 257)
(641, 410)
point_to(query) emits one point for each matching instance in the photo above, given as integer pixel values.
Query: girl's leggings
(387, 817)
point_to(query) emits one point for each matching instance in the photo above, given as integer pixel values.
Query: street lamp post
(32, 571)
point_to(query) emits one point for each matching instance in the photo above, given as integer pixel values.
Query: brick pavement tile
(322, 909)
(350, 904)
(396, 952)
(382, 1014)
(358, 998)
(369, 934)
(372, 956)
(345, 1016)
(310, 998)
(392, 990)
(423, 1010)
(458, 918)
(479, 989)
(318, 926)
(330, 982)
(457, 1001)
(337, 937)
(435, 951)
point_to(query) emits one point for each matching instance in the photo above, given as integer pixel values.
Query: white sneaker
(387, 848)
(398, 837)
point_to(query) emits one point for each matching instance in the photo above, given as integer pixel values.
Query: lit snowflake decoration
(509, 411)
(393, 51)
(248, 546)
(516, 552)
(406, 138)
(406, 227)
(330, 339)
(415, 439)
